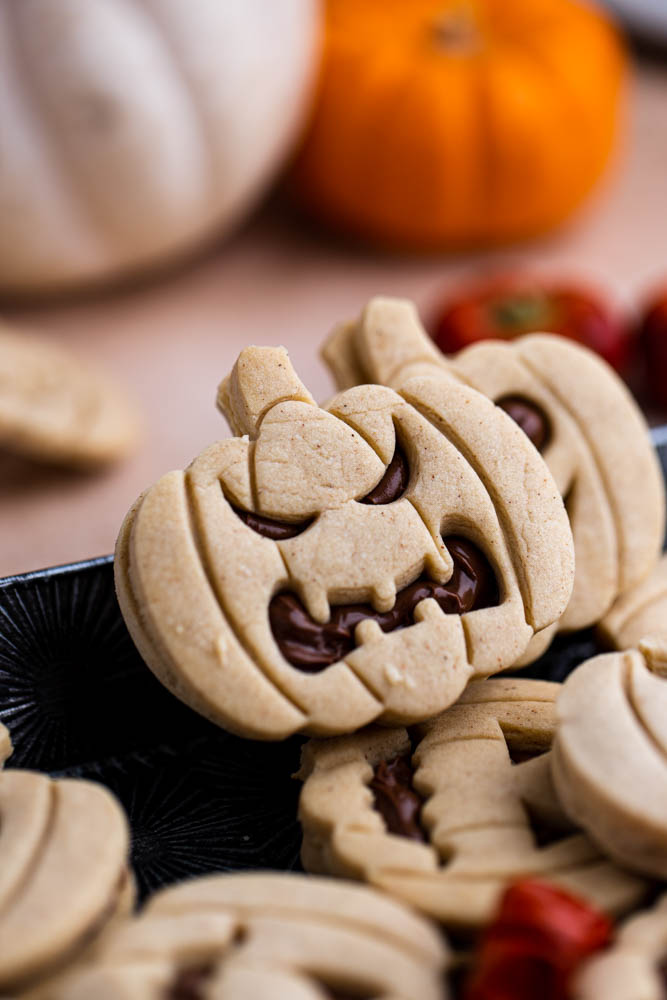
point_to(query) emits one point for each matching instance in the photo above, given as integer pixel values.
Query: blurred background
(180, 180)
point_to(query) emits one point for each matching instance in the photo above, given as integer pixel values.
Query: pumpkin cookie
(445, 817)
(55, 409)
(638, 620)
(64, 873)
(609, 759)
(329, 567)
(575, 410)
(634, 967)
(266, 937)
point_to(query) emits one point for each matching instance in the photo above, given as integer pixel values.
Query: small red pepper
(531, 950)
(508, 306)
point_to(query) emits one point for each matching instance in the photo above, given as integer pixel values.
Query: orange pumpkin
(453, 122)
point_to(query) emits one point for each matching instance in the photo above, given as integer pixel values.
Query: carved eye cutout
(393, 484)
(268, 528)
(530, 417)
(311, 646)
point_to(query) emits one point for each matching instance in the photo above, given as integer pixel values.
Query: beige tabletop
(277, 282)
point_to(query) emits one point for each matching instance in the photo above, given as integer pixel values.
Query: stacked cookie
(579, 416)
(358, 573)
(265, 937)
(66, 894)
(447, 815)
(64, 876)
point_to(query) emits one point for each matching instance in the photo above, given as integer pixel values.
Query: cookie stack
(64, 877)
(358, 573)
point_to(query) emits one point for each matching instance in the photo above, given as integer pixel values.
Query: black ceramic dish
(79, 701)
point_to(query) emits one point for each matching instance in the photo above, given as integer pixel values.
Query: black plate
(79, 701)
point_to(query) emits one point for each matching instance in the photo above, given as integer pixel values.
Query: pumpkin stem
(457, 29)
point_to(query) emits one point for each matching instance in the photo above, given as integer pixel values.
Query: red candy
(509, 306)
(539, 938)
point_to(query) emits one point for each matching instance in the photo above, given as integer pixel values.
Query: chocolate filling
(532, 420)
(189, 983)
(275, 530)
(662, 973)
(337, 995)
(311, 646)
(521, 756)
(395, 798)
(393, 484)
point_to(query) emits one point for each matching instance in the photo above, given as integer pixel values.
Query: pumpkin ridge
(449, 432)
(181, 73)
(197, 541)
(58, 163)
(590, 447)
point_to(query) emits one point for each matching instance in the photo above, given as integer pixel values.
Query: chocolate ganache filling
(393, 484)
(338, 995)
(269, 528)
(189, 983)
(311, 646)
(662, 972)
(531, 418)
(395, 798)
(391, 487)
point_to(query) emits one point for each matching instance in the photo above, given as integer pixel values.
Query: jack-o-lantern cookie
(575, 410)
(638, 620)
(55, 409)
(635, 967)
(266, 937)
(334, 566)
(609, 760)
(446, 816)
(63, 873)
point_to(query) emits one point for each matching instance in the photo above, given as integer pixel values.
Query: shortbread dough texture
(634, 967)
(266, 937)
(592, 436)
(482, 816)
(638, 620)
(609, 760)
(55, 409)
(361, 501)
(64, 873)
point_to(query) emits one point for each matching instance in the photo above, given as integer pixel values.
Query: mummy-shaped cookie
(634, 968)
(63, 872)
(638, 620)
(266, 937)
(55, 409)
(329, 567)
(578, 414)
(446, 816)
(609, 760)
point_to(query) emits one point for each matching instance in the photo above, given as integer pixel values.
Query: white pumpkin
(132, 130)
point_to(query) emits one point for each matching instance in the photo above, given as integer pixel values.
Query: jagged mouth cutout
(311, 646)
